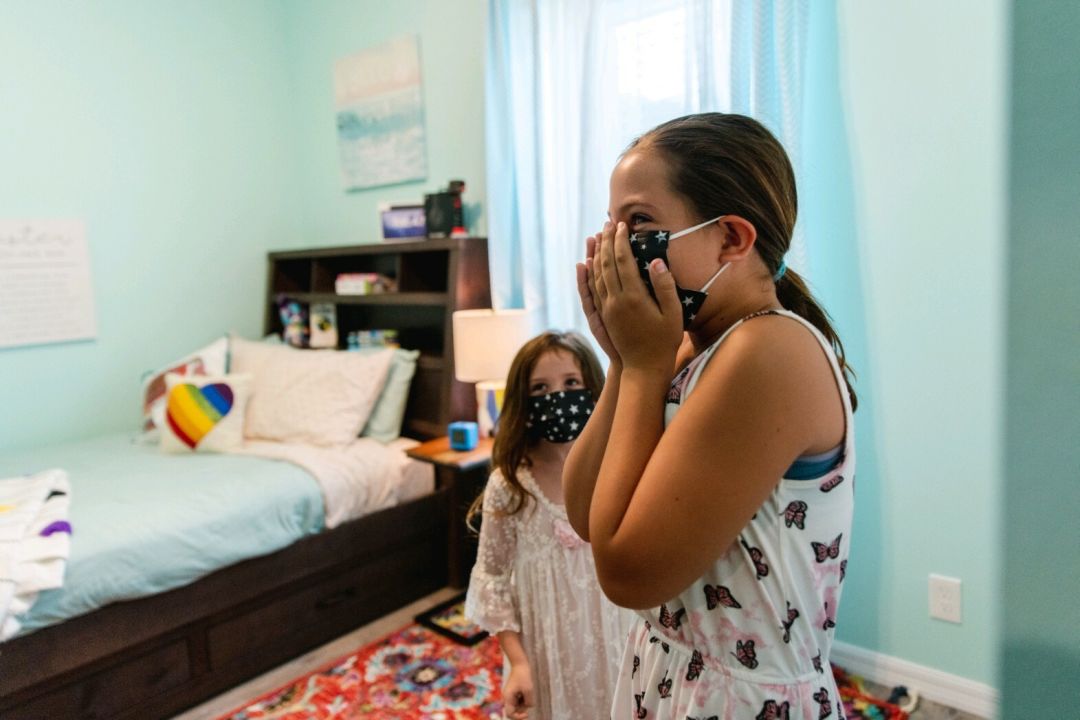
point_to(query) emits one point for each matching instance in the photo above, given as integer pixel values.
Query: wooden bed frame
(156, 656)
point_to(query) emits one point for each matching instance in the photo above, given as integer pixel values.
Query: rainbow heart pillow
(210, 360)
(204, 413)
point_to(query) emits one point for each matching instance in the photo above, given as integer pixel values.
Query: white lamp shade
(486, 341)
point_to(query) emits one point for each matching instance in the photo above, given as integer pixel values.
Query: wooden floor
(385, 625)
(307, 662)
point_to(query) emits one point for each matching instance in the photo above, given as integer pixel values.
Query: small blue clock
(464, 435)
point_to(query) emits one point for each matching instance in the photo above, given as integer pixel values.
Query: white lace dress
(533, 574)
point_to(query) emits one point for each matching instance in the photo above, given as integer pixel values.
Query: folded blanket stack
(35, 540)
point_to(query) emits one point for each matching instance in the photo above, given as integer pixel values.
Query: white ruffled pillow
(210, 360)
(320, 397)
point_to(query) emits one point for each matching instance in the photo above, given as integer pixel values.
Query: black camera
(443, 213)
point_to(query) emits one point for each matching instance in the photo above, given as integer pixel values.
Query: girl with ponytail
(714, 479)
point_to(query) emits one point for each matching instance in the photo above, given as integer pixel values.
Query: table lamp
(485, 343)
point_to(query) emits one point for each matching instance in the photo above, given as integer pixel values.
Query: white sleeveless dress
(751, 638)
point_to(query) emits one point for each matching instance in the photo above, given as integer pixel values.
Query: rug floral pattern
(418, 674)
(413, 674)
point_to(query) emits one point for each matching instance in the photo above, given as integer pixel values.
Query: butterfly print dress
(751, 638)
(534, 575)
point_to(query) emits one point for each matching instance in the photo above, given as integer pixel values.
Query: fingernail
(660, 266)
(622, 226)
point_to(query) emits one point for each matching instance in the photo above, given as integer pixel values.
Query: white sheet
(355, 479)
(417, 478)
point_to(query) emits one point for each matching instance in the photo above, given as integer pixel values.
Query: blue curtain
(571, 82)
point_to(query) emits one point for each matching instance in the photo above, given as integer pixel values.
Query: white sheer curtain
(571, 82)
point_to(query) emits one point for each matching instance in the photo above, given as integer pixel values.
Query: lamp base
(489, 401)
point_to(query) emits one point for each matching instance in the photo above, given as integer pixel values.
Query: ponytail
(795, 296)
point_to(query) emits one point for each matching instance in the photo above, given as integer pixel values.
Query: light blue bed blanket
(144, 522)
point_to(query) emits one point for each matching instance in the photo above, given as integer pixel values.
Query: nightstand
(464, 474)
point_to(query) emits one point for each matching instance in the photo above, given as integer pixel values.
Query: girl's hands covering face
(643, 332)
(587, 291)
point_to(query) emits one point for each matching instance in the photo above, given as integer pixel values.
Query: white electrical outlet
(945, 601)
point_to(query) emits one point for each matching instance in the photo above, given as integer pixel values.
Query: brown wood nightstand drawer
(464, 473)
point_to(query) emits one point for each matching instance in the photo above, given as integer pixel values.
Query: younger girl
(534, 584)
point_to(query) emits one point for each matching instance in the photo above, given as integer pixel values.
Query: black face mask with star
(559, 417)
(651, 245)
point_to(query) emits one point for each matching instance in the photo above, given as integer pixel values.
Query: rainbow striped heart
(193, 411)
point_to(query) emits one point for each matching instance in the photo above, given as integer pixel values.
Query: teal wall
(452, 37)
(162, 125)
(193, 137)
(903, 205)
(1041, 629)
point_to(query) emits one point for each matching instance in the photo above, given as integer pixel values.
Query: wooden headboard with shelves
(433, 277)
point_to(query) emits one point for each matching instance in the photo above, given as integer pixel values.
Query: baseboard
(941, 687)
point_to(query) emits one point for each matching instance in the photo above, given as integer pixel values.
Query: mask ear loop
(719, 272)
(689, 230)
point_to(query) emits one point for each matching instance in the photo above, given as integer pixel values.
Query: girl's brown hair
(512, 441)
(727, 164)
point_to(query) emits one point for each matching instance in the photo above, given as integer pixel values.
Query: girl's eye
(573, 382)
(538, 389)
(638, 219)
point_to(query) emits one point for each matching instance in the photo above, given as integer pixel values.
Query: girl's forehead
(640, 179)
(555, 363)
(639, 172)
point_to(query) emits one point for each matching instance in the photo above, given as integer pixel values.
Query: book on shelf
(363, 284)
(324, 333)
(364, 339)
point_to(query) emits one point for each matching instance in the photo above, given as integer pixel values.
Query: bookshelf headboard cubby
(432, 279)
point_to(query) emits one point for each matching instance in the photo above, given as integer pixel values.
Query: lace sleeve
(491, 602)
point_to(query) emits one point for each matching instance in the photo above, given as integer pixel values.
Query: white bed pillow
(204, 413)
(321, 397)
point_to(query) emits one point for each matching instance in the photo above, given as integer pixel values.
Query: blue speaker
(463, 435)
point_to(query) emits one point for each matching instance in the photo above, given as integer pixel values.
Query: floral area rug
(412, 674)
(449, 670)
